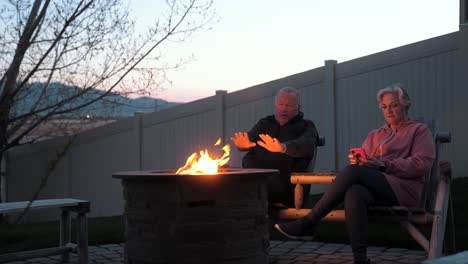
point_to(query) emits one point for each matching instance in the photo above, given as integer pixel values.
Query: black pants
(358, 187)
(280, 189)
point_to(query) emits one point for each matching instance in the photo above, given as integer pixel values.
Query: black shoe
(296, 230)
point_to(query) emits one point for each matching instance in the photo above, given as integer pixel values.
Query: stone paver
(281, 252)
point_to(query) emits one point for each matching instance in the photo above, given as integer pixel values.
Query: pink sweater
(408, 154)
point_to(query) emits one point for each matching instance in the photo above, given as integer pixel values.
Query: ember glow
(203, 163)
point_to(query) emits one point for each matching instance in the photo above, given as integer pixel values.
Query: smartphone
(358, 153)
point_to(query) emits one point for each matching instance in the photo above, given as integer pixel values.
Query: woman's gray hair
(399, 89)
(289, 90)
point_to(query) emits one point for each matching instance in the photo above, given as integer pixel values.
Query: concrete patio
(281, 252)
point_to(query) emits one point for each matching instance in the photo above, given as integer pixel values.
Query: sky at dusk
(256, 41)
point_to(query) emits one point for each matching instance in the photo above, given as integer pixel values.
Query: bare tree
(86, 44)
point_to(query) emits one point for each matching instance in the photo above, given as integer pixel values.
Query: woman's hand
(370, 162)
(353, 160)
(242, 141)
(373, 163)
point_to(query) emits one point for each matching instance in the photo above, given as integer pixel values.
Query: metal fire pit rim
(170, 174)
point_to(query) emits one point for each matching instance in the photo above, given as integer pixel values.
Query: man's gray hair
(399, 89)
(289, 90)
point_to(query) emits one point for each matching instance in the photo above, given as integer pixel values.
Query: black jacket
(300, 137)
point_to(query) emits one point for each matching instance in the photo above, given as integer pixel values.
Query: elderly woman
(399, 155)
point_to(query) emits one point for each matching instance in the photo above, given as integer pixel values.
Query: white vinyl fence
(338, 97)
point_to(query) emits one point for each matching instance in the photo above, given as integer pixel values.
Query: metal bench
(433, 207)
(66, 205)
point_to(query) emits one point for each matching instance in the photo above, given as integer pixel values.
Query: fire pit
(219, 218)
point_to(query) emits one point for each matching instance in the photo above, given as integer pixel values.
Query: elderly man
(284, 141)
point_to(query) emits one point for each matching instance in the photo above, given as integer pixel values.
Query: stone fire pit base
(196, 219)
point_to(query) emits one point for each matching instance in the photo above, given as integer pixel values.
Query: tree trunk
(2, 174)
(2, 219)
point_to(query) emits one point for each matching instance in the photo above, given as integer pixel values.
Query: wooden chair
(301, 192)
(432, 209)
(300, 197)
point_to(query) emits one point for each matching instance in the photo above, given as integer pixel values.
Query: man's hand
(271, 144)
(242, 141)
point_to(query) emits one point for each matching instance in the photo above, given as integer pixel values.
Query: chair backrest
(320, 143)
(429, 192)
(310, 168)
(430, 185)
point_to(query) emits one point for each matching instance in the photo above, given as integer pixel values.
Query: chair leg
(298, 196)
(437, 237)
(450, 243)
(416, 234)
(440, 219)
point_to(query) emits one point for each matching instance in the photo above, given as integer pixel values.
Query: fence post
(463, 13)
(461, 94)
(139, 137)
(220, 117)
(4, 177)
(329, 128)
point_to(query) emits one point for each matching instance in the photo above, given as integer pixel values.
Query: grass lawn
(102, 230)
(107, 230)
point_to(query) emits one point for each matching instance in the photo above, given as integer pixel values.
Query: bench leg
(82, 233)
(65, 232)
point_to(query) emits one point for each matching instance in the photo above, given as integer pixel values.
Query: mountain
(113, 105)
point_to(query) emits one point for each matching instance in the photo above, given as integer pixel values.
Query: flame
(205, 164)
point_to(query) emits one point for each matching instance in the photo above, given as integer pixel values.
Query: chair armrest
(443, 137)
(308, 178)
(312, 178)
